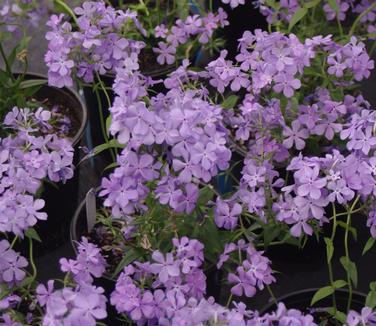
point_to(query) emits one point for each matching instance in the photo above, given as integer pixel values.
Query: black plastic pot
(243, 18)
(61, 199)
(302, 300)
(78, 228)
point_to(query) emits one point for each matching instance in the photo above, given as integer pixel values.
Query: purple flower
(363, 141)
(366, 317)
(287, 84)
(311, 185)
(43, 293)
(11, 264)
(295, 135)
(243, 283)
(166, 53)
(234, 3)
(164, 267)
(187, 201)
(226, 216)
(340, 192)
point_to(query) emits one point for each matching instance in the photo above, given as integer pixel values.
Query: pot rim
(72, 230)
(267, 307)
(74, 93)
(74, 237)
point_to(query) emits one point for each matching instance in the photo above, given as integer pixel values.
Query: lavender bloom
(166, 54)
(234, 3)
(226, 216)
(28, 155)
(11, 264)
(366, 317)
(295, 135)
(331, 14)
(88, 264)
(71, 306)
(164, 267)
(310, 184)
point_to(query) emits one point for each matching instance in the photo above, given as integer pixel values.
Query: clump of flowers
(15, 13)
(193, 26)
(79, 302)
(28, 155)
(336, 13)
(160, 288)
(95, 44)
(185, 130)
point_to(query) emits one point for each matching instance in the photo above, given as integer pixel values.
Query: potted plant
(152, 35)
(296, 111)
(59, 114)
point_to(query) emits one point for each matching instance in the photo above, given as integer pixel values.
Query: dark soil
(150, 67)
(67, 104)
(111, 248)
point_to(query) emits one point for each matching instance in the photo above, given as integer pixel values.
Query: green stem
(7, 66)
(372, 49)
(330, 268)
(348, 223)
(14, 241)
(31, 258)
(272, 296)
(339, 25)
(67, 9)
(357, 20)
(103, 124)
(229, 301)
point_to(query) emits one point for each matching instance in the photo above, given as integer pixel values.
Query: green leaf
(350, 228)
(311, 4)
(338, 315)
(33, 234)
(108, 124)
(339, 284)
(351, 269)
(62, 7)
(369, 245)
(32, 83)
(322, 293)
(111, 166)
(329, 249)
(298, 16)
(371, 299)
(113, 143)
(230, 102)
(205, 195)
(129, 257)
(27, 281)
(12, 57)
(333, 5)
(270, 234)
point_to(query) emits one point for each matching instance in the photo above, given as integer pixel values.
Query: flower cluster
(95, 46)
(336, 10)
(15, 13)
(183, 30)
(88, 264)
(27, 156)
(252, 273)
(351, 57)
(81, 303)
(11, 266)
(157, 291)
(186, 131)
